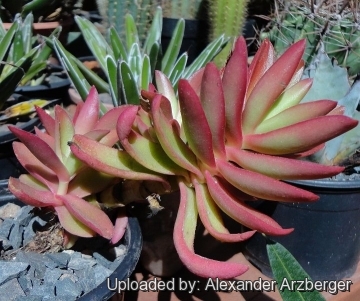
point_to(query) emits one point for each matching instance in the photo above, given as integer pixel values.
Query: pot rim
(328, 184)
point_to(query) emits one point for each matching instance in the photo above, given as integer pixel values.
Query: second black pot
(326, 236)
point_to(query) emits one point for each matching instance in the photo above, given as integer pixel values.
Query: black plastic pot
(55, 85)
(132, 240)
(326, 239)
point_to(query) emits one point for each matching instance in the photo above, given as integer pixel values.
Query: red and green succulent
(232, 136)
(58, 179)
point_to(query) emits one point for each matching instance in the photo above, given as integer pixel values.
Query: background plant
(128, 64)
(335, 23)
(229, 138)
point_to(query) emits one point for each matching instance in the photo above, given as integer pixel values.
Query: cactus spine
(113, 13)
(333, 22)
(226, 17)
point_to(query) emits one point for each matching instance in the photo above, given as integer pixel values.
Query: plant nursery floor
(209, 295)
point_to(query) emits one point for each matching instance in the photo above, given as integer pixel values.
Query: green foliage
(113, 13)
(331, 81)
(336, 28)
(128, 64)
(187, 9)
(285, 268)
(227, 17)
(21, 62)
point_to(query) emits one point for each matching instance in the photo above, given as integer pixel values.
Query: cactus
(335, 23)
(113, 13)
(187, 9)
(226, 17)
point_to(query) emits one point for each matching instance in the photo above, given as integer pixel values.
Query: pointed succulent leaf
(39, 173)
(262, 186)
(280, 167)
(109, 120)
(47, 121)
(32, 196)
(298, 74)
(145, 73)
(295, 114)
(32, 182)
(42, 152)
(150, 155)
(211, 218)
(196, 127)
(71, 224)
(241, 212)
(88, 214)
(121, 223)
(171, 142)
(154, 33)
(184, 233)
(45, 137)
(110, 160)
(262, 61)
(290, 97)
(131, 33)
(299, 137)
(234, 87)
(127, 84)
(178, 69)
(96, 135)
(111, 74)
(270, 86)
(213, 103)
(64, 131)
(165, 88)
(89, 114)
(195, 80)
(118, 47)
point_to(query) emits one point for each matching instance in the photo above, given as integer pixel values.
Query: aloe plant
(21, 61)
(232, 136)
(130, 66)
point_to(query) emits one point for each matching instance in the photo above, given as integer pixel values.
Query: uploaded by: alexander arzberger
(262, 285)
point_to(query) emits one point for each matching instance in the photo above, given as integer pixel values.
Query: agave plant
(59, 180)
(232, 137)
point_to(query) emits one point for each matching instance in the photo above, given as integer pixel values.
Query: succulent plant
(335, 23)
(232, 136)
(188, 9)
(113, 14)
(43, 10)
(128, 64)
(226, 17)
(21, 60)
(331, 81)
(57, 179)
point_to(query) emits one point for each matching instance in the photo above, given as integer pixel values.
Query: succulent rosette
(232, 136)
(58, 179)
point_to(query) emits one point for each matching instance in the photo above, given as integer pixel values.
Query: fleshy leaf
(88, 214)
(195, 125)
(213, 103)
(211, 218)
(110, 160)
(32, 196)
(172, 144)
(47, 121)
(270, 86)
(165, 87)
(299, 137)
(71, 224)
(262, 186)
(241, 212)
(121, 223)
(234, 87)
(184, 233)
(261, 62)
(42, 152)
(295, 114)
(89, 114)
(280, 167)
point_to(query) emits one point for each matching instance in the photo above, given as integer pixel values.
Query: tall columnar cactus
(335, 23)
(187, 9)
(113, 13)
(226, 17)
